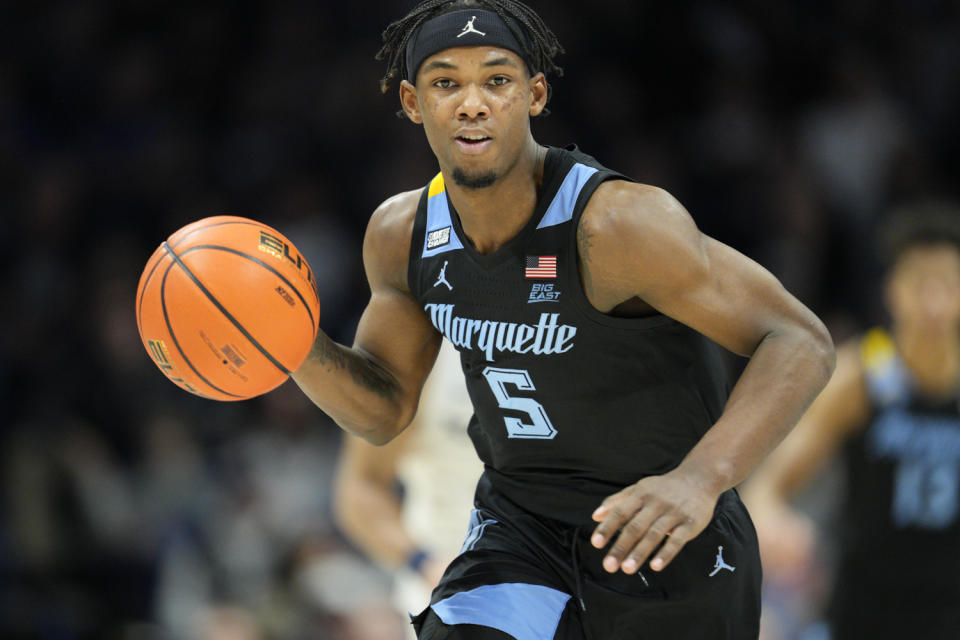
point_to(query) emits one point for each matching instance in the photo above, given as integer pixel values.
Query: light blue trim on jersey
(524, 611)
(475, 530)
(438, 217)
(561, 209)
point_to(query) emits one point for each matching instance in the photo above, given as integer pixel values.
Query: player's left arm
(638, 242)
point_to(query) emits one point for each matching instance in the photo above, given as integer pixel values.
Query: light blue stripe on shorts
(525, 611)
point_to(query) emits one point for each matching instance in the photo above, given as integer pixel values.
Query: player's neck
(934, 362)
(493, 215)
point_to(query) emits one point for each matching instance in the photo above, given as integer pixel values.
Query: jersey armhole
(573, 266)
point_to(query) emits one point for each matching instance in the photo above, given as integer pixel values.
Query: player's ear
(409, 102)
(538, 94)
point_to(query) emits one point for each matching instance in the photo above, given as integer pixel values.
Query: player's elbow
(807, 342)
(817, 345)
(385, 430)
(378, 438)
(823, 348)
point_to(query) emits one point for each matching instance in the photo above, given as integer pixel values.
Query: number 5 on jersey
(539, 426)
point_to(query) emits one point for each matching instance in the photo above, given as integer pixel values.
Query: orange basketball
(227, 308)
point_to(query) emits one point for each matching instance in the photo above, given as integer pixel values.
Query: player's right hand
(671, 509)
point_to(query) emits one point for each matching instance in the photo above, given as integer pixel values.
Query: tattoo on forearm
(326, 351)
(364, 372)
(585, 244)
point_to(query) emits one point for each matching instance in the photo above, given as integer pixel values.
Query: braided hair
(395, 36)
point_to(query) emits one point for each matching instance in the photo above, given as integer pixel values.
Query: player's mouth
(473, 143)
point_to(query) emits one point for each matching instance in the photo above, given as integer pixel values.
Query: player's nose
(472, 103)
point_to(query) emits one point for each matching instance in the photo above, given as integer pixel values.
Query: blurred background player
(407, 504)
(892, 413)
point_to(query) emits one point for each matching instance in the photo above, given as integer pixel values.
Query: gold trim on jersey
(436, 186)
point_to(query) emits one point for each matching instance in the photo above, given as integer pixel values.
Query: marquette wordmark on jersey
(544, 338)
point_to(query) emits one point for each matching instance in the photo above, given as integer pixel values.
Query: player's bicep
(394, 332)
(726, 296)
(638, 241)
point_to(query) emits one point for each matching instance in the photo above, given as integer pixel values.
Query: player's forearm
(786, 372)
(361, 396)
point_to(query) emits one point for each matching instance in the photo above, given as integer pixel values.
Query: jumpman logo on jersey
(443, 277)
(469, 28)
(721, 564)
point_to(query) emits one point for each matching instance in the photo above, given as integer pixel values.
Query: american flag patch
(541, 267)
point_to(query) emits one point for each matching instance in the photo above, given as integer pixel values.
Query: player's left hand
(673, 506)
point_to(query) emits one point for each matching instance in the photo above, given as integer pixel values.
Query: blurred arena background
(131, 510)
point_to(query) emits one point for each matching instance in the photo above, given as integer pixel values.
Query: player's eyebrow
(496, 62)
(504, 61)
(437, 64)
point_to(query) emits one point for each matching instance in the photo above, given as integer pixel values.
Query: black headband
(464, 28)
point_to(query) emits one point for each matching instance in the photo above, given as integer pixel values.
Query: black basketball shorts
(523, 577)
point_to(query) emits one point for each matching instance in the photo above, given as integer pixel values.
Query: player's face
(923, 290)
(475, 105)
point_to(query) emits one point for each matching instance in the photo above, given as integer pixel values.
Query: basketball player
(433, 460)
(893, 409)
(587, 309)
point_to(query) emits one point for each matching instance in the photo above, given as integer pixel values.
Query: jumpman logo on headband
(721, 564)
(443, 277)
(470, 29)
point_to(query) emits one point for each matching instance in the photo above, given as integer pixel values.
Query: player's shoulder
(395, 215)
(386, 244)
(620, 209)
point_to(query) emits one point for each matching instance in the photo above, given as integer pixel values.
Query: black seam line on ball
(224, 311)
(176, 343)
(258, 261)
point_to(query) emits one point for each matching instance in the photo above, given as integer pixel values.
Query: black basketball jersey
(570, 404)
(900, 522)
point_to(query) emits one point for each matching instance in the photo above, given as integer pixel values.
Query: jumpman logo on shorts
(443, 276)
(469, 28)
(721, 564)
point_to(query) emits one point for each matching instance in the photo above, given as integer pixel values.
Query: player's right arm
(372, 388)
(841, 409)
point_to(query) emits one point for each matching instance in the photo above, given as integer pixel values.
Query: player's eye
(443, 83)
(499, 81)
